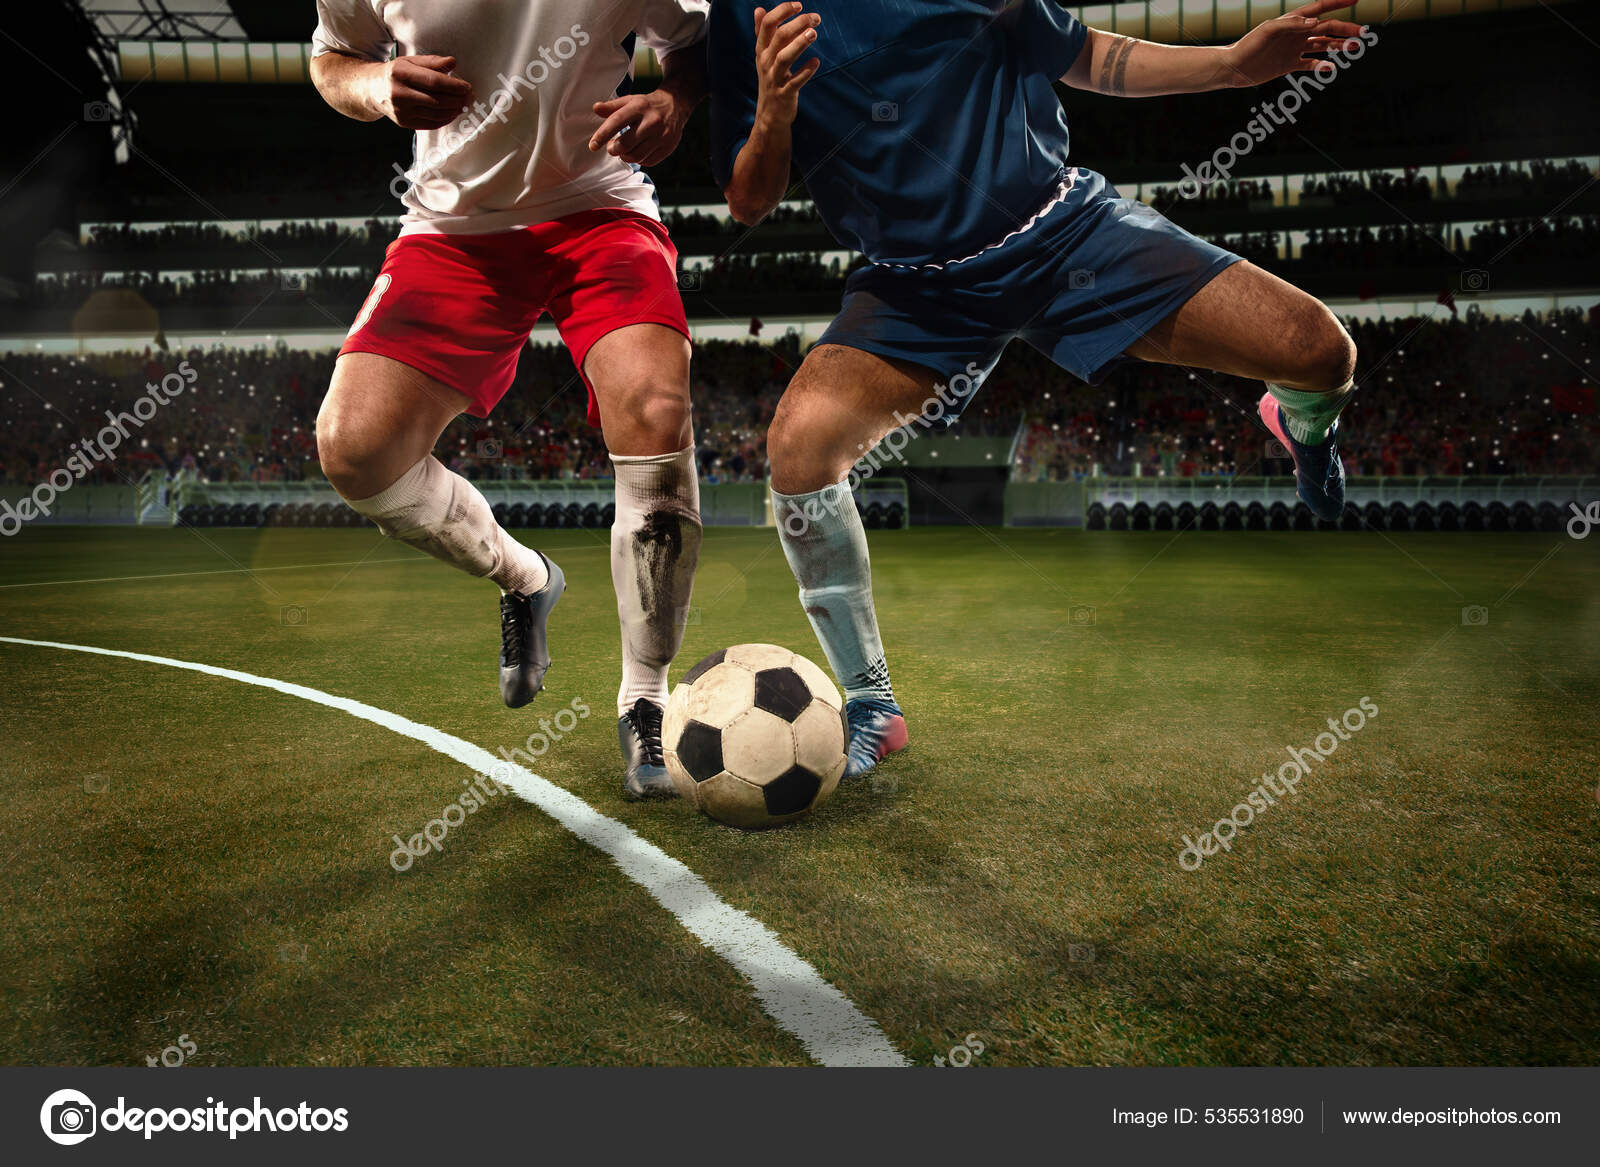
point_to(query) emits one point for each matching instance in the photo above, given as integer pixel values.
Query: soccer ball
(755, 736)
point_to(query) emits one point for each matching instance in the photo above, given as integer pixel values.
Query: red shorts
(459, 307)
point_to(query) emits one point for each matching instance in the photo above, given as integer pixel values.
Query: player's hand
(418, 93)
(782, 35)
(642, 128)
(1284, 45)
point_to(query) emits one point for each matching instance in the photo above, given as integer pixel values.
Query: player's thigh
(840, 402)
(1248, 322)
(380, 418)
(640, 377)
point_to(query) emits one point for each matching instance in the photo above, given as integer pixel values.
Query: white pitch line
(48, 583)
(794, 994)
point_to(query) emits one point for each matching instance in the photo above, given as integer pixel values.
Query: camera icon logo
(1474, 279)
(292, 615)
(67, 1117)
(1474, 615)
(490, 448)
(1082, 615)
(1275, 449)
(292, 281)
(96, 784)
(1080, 280)
(1078, 953)
(689, 281)
(96, 111)
(885, 111)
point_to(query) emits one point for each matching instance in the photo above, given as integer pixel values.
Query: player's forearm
(683, 76)
(352, 85)
(1121, 66)
(760, 172)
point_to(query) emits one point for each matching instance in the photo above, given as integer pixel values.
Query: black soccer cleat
(639, 733)
(524, 654)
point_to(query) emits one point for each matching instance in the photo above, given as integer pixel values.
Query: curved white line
(833, 1030)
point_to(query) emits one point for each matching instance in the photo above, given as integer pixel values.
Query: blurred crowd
(1444, 396)
(1440, 396)
(1555, 239)
(1552, 239)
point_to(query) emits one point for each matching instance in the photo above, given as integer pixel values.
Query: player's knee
(647, 414)
(799, 453)
(347, 459)
(1320, 356)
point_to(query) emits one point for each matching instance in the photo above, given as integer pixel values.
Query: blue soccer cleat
(877, 729)
(1318, 472)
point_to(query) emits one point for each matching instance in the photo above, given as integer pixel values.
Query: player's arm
(417, 93)
(761, 171)
(645, 128)
(1122, 66)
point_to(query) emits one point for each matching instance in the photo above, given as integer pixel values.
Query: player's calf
(826, 547)
(441, 513)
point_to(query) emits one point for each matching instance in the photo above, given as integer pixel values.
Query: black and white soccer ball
(755, 736)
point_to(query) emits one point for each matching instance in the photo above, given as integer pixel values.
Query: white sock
(1309, 416)
(826, 548)
(440, 512)
(655, 547)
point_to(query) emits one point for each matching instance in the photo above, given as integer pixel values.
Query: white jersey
(520, 154)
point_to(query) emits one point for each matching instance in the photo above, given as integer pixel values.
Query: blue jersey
(932, 129)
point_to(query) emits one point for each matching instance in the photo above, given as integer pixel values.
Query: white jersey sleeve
(665, 25)
(352, 27)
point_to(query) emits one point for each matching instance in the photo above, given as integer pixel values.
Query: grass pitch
(191, 856)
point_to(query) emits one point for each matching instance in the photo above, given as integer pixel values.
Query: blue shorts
(1090, 276)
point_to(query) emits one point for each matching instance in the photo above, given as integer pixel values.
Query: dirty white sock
(436, 510)
(655, 547)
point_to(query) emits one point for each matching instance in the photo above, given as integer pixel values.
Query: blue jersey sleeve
(1050, 35)
(731, 62)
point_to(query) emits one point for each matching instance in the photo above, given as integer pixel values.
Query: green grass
(1430, 895)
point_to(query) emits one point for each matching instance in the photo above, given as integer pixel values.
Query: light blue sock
(1310, 416)
(826, 548)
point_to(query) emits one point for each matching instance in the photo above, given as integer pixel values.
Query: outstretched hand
(1286, 44)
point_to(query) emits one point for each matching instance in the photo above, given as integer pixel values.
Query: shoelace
(645, 719)
(511, 632)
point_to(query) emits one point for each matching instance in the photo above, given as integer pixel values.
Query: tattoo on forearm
(1119, 84)
(1114, 70)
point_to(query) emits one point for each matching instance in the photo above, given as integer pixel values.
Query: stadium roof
(166, 19)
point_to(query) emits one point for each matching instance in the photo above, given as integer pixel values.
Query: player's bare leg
(841, 403)
(375, 433)
(640, 376)
(1250, 323)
